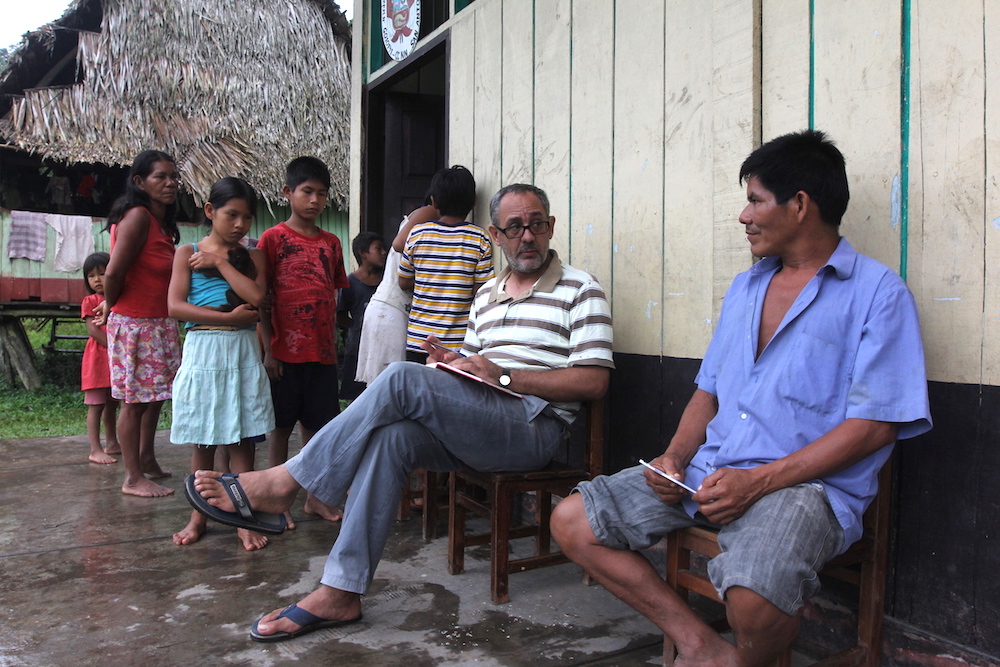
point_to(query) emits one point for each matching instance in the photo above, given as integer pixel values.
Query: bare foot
(289, 521)
(250, 540)
(270, 490)
(146, 489)
(102, 458)
(154, 471)
(113, 448)
(192, 532)
(315, 506)
(716, 653)
(328, 603)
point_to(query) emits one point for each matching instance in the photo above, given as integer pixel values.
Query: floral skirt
(144, 353)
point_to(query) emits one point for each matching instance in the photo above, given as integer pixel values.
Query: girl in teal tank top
(221, 393)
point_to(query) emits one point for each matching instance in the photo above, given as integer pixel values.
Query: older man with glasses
(541, 329)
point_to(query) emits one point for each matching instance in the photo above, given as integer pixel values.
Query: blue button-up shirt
(849, 347)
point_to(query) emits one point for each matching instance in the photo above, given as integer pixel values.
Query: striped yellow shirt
(447, 264)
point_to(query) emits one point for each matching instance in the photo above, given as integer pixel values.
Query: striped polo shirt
(563, 321)
(447, 264)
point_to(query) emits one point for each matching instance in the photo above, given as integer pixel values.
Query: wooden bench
(500, 489)
(864, 564)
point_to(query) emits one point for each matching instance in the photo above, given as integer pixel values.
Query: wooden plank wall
(991, 251)
(552, 108)
(952, 211)
(689, 189)
(638, 175)
(588, 216)
(485, 100)
(633, 116)
(857, 101)
(948, 192)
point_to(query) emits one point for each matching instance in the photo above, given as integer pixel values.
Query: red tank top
(144, 293)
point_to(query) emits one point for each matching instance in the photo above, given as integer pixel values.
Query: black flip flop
(245, 517)
(308, 621)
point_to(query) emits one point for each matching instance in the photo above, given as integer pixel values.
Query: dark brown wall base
(647, 397)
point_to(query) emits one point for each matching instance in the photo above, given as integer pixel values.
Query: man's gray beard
(518, 266)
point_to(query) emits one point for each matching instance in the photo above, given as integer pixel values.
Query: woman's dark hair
(93, 261)
(142, 167)
(228, 188)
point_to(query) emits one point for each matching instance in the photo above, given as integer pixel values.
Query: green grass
(56, 408)
(48, 411)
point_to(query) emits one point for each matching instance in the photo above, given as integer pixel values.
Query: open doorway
(406, 126)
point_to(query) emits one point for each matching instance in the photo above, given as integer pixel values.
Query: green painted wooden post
(376, 52)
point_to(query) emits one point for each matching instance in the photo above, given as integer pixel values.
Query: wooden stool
(863, 564)
(500, 489)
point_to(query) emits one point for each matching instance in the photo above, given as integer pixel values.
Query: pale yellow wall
(949, 264)
(991, 226)
(952, 265)
(635, 115)
(609, 107)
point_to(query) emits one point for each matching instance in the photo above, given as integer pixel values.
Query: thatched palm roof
(229, 87)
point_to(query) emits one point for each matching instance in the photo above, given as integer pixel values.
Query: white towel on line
(74, 240)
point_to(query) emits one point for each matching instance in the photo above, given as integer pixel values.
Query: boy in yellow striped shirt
(444, 263)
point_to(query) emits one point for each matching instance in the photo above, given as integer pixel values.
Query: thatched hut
(226, 87)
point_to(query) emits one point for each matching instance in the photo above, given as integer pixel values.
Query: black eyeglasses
(517, 231)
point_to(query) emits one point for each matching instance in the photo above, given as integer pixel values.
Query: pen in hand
(669, 477)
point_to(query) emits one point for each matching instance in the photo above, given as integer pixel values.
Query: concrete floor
(91, 577)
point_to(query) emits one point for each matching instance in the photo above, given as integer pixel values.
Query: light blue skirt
(221, 392)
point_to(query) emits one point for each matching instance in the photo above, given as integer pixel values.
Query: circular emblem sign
(400, 27)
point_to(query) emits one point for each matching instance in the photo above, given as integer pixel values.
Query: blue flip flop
(244, 517)
(308, 621)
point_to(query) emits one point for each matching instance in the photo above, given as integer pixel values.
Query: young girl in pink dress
(95, 374)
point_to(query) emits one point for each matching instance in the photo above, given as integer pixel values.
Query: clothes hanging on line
(74, 240)
(27, 236)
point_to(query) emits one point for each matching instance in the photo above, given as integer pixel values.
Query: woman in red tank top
(143, 342)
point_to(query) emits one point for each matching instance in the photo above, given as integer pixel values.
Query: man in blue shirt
(816, 368)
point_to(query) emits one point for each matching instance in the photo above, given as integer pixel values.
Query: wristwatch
(505, 378)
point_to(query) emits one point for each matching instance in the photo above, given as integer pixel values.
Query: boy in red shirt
(305, 268)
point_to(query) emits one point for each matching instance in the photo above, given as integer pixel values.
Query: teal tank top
(206, 291)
